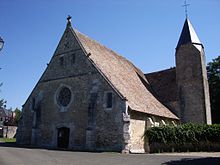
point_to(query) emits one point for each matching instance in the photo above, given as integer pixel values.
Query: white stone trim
(163, 123)
(137, 151)
(174, 123)
(150, 122)
(156, 124)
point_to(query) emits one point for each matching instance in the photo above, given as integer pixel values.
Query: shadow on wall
(195, 161)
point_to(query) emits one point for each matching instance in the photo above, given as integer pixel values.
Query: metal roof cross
(69, 18)
(186, 5)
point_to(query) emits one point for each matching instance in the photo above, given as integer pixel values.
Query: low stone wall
(187, 147)
(9, 131)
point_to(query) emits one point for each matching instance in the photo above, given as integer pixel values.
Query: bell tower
(191, 77)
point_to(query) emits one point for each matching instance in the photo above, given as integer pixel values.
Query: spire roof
(188, 35)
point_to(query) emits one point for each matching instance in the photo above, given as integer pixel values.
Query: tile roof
(127, 79)
(164, 84)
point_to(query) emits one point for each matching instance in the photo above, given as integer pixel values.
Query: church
(89, 98)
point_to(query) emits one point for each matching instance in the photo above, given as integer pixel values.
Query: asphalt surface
(29, 156)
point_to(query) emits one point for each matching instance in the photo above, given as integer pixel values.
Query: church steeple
(191, 78)
(188, 35)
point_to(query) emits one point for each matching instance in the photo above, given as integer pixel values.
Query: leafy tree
(17, 115)
(213, 70)
(2, 103)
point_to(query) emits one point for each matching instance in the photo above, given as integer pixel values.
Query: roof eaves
(164, 116)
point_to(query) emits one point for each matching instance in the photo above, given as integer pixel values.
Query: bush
(186, 133)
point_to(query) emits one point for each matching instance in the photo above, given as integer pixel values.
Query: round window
(64, 97)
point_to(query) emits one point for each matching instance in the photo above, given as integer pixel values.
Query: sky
(145, 32)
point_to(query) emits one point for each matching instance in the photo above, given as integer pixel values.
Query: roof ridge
(160, 71)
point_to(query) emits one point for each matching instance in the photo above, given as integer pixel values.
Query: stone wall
(137, 129)
(92, 125)
(9, 131)
(106, 126)
(192, 90)
(139, 123)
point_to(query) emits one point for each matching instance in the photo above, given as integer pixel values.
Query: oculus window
(64, 97)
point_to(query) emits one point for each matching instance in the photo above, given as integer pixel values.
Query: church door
(63, 137)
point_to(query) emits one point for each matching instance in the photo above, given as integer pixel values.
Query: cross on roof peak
(69, 20)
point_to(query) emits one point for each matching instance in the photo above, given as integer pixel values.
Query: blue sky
(144, 31)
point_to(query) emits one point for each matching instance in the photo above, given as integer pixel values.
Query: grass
(8, 140)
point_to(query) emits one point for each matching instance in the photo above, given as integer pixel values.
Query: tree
(2, 101)
(213, 71)
(17, 115)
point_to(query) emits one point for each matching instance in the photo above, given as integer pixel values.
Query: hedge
(184, 134)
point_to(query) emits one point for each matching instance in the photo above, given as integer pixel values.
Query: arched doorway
(63, 137)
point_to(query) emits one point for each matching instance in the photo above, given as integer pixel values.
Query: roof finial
(69, 20)
(186, 5)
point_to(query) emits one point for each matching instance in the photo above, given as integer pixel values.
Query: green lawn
(7, 140)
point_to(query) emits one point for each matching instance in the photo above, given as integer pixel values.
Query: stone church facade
(91, 98)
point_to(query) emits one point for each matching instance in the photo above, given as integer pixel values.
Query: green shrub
(182, 134)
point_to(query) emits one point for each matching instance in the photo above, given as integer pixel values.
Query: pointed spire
(188, 35)
(68, 21)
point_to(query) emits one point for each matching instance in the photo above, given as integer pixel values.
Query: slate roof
(127, 79)
(164, 84)
(188, 35)
(5, 112)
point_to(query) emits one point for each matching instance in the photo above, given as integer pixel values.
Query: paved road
(27, 156)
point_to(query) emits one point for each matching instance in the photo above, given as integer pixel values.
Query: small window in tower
(109, 100)
(73, 58)
(33, 104)
(61, 61)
